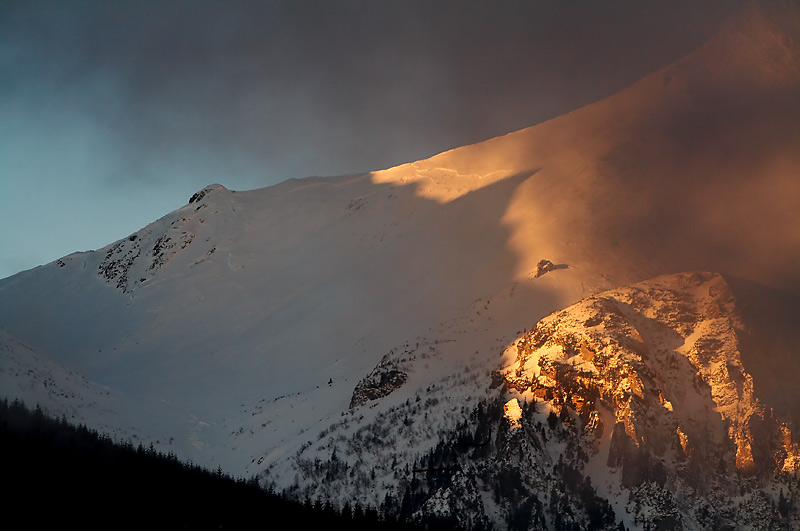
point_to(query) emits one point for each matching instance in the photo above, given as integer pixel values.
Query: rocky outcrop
(543, 266)
(662, 357)
(134, 260)
(378, 384)
(197, 196)
(123, 266)
(384, 379)
(640, 390)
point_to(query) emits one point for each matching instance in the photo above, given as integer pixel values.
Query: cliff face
(656, 367)
(633, 407)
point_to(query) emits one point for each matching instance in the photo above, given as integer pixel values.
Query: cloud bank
(113, 113)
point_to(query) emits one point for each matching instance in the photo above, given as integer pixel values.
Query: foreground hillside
(87, 480)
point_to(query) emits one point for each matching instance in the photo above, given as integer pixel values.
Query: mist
(113, 113)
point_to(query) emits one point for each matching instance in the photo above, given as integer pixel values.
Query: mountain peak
(760, 47)
(205, 191)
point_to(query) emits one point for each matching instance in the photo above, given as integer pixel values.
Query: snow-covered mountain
(642, 404)
(653, 381)
(331, 334)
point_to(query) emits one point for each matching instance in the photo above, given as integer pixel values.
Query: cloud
(272, 78)
(173, 95)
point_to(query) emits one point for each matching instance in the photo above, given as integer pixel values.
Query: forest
(75, 476)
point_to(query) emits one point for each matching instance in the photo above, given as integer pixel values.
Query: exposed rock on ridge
(135, 259)
(662, 357)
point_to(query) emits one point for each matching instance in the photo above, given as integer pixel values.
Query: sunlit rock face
(660, 361)
(640, 405)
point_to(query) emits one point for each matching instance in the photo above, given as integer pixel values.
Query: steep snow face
(512, 413)
(663, 358)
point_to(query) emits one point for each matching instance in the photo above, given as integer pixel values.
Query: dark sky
(114, 113)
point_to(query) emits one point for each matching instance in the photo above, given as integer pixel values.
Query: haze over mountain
(117, 111)
(261, 330)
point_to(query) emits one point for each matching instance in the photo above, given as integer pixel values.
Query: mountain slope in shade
(240, 329)
(35, 379)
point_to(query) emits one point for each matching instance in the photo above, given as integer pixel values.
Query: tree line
(59, 475)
